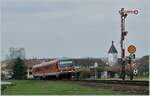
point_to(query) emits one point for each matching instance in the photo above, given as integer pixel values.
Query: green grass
(141, 78)
(31, 87)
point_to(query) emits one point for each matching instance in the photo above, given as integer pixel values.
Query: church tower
(112, 55)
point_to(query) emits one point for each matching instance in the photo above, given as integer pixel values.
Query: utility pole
(124, 14)
(95, 65)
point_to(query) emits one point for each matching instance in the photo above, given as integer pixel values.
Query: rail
(127, 82)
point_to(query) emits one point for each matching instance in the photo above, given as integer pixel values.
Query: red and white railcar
(55, 68)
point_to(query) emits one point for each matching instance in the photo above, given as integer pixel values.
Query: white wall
(112, 58)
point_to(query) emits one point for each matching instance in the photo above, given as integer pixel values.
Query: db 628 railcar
(54, 69)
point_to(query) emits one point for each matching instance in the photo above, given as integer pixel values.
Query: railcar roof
(45, 63)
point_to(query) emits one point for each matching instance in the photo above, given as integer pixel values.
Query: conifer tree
(19, 69)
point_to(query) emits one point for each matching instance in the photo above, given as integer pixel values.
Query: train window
(65, 64)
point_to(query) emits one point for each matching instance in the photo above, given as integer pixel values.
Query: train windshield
(65, 64)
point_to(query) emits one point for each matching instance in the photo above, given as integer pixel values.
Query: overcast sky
(72, 28)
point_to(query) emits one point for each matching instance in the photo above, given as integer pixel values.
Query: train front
(67, 69)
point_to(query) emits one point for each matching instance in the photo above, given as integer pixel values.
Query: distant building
(112, 55)
(17, 52)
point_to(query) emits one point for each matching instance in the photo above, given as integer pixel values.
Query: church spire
(112, 42)
(112, 48)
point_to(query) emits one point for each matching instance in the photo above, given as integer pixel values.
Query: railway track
(125, 82)
(134, 87)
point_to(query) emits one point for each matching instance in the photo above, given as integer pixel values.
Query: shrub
(84, 74)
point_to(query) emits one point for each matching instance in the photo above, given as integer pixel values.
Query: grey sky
(71, 28)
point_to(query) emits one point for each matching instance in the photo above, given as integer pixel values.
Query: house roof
(112, 48)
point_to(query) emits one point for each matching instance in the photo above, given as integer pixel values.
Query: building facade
(112, 55)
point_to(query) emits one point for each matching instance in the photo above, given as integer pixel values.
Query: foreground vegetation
(31, 87)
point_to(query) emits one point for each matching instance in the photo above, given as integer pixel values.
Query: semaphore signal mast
(124, 14)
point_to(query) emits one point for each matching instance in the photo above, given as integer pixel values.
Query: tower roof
(112, 48)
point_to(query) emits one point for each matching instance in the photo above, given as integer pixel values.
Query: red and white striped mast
(124, 14)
